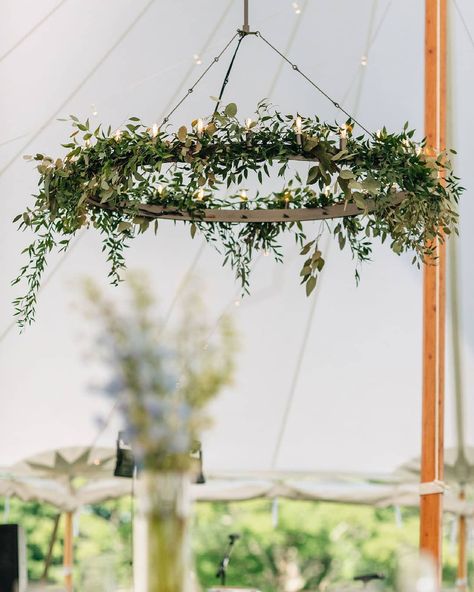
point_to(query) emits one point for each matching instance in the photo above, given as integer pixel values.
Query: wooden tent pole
(52, 540)
(68, 551)
(461, 582)
(434, 295)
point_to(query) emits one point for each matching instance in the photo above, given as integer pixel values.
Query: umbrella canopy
(67, 478)
(34, 489)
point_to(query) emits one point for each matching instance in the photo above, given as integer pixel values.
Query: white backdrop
(357, 402)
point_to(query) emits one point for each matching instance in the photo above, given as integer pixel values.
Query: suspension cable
(191, 89)
(227, 74)
(318, 88)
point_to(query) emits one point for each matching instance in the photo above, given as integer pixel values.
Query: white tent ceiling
(356, 405)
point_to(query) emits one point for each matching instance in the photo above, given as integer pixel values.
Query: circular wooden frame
(247, 216)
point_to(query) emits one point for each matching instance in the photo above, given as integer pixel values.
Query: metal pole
(246, 26)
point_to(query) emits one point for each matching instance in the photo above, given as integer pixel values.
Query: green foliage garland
(105, 177)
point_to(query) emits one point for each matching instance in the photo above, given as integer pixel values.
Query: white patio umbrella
(67, 478)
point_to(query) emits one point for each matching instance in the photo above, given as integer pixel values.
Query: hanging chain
(296, 69)
(191, 89)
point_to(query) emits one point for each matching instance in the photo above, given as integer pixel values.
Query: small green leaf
(346, 174)
(313, 174)
(310, 285)
(231, 110)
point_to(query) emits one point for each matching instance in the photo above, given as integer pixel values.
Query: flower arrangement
(163, 380)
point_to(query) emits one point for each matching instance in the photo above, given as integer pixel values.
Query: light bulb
(94, 110)
(299, 129)
(266, 252)
(197, 59)
(243, 195)
(160, 189)
(296, 8)
(364, 60)
(237, 303)
(154, 130)
(248, 123)
(200, 194)
(117, 134)
(298, 125)
(200, 126)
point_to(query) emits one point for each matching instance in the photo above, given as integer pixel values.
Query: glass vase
(162, 553)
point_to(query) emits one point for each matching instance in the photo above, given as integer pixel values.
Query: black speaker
(13, 577)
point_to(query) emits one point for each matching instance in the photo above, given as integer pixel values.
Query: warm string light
(248, 125)
(94, 110)
(243, 196)
(364, 60)
(299, 129)
(200, 127)
(153, 131)
(160, 189)
(296, 7)
(343, 137)
(200, 194)
(197, 59)
(117, 135)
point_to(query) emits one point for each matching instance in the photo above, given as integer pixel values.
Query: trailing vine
(105, 178)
